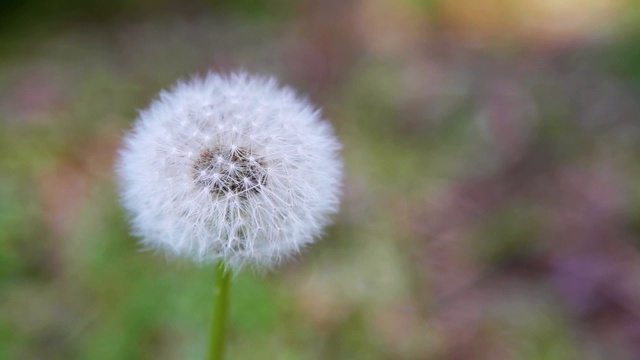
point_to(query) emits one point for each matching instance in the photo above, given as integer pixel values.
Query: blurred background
(491, 206)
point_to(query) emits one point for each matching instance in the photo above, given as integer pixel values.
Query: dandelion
(234, 169)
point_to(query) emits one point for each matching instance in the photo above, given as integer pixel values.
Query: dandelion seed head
(230, 167)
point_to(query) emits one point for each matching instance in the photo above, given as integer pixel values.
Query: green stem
(219, 312)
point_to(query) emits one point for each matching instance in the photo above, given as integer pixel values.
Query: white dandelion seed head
(230, 167)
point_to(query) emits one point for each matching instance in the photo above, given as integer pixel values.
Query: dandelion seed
(260, 187)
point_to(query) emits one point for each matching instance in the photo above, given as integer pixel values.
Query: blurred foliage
(491, 208)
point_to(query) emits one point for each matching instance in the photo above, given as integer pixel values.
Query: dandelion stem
(219, 312)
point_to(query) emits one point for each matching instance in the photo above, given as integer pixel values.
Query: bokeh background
(491, 204)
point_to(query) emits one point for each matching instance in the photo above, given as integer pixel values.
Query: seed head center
(229, 171)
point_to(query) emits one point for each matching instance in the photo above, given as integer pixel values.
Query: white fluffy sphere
(233, 168)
